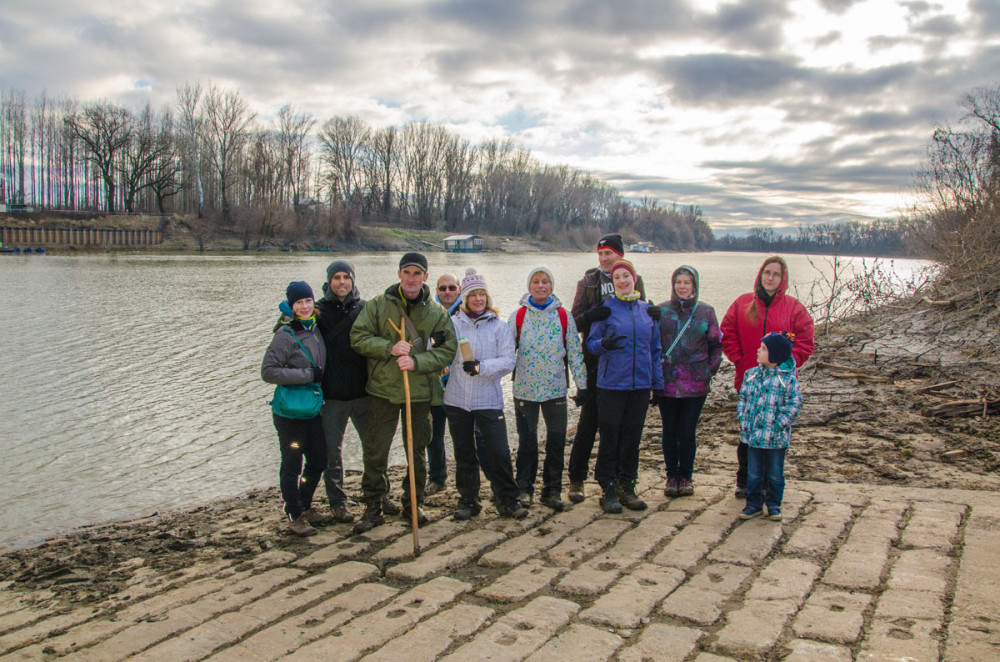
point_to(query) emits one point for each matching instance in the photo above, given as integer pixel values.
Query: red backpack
(519, 322)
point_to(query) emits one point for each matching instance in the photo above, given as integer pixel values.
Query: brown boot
(373, 517)
(300, 526)
(575, 491)
(315, 518)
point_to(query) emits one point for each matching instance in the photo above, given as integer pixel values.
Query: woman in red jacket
(751, 317)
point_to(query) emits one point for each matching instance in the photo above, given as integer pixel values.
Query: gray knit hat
(541, 270)
(338, 266)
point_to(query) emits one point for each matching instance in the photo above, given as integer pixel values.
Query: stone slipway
(853, 573)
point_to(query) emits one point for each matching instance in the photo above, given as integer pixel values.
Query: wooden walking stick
(401, 329)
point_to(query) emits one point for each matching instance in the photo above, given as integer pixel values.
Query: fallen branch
(974, 407)
(934, 387)
(863, 376)
(932, 302)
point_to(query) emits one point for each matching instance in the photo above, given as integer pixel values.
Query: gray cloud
(716, 79)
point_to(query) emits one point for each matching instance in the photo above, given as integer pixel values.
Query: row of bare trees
(889, 237)
(208, 156)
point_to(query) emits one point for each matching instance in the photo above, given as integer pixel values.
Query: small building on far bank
(463, 243)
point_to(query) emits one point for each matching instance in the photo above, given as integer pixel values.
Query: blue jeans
(765, 478)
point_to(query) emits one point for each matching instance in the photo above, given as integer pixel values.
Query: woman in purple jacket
(628, 346)
(689, 333)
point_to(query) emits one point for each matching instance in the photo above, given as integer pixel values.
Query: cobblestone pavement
(853, 572)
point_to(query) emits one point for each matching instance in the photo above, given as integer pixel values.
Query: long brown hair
(752, 310)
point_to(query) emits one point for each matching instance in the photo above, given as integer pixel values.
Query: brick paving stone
(546, 535)
(754, 628)
(295, 632)
(634, 596)
(41, 630)
(231, 627)
(689, 546)
(662, 643)
(587, 541)
(142, 635)
(428, 640)
(580, 643)
(900, 639)
(701, 598)
(522, 582)
(712, 657)
(429, 535)
(749, 543)
(456, 552)
(794, 502)
(29, 614)
(520, 633)
(377, 628)
(820, 530)
(785, 579)
(813, 651)
(832, 615)
(932, 526)
(974, 633)
(920, 570)
(336, 552)
(861, 560)
(149, 583)
(902, 603)
(701, 499)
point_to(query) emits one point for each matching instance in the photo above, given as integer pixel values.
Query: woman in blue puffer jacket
(628, 346)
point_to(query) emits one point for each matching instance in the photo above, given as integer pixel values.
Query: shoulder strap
(296, 339)
(680, 333)
(564, 322)
(518, 323)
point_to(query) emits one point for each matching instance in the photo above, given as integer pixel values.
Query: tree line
(881, 238)
(207, 156)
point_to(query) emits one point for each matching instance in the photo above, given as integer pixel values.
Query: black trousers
(496, 453)
(622, 417)
(526, 416)
(679, 440)
(299, 440)
(586, 430)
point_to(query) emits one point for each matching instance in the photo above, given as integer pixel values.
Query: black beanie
(340, 266)
(613, 242)
(298, 289)
(779, 347)
(413, 260)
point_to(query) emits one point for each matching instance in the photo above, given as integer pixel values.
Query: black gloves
(612, 342)
(582, 396)
(655, 397)
(471, 367)
(436, 339)
(655, 312)
(597, 314)
(317, 374)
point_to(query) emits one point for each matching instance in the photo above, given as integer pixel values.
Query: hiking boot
(575, 491)
(390, 507)
(741, 492)
(373, 517)
(433, 488)
(315, 518)
(628, 498)
(408, 516)
(672, 488)
(686, 487)
(514, 510)
(300, 526)
(525, 498)
(466, 511)
(609, 500)
(341, 514)
(552, 501)
(749, 513)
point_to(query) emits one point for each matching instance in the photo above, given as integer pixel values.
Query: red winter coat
(741, 337)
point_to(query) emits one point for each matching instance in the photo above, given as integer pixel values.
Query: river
(132, 382)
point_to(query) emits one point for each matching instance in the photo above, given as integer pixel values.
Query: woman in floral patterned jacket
(548, 347)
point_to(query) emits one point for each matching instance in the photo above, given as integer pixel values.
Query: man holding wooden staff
(430, 345)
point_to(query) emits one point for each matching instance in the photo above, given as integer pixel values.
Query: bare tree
(188, 99)
(342, 142)
(226, 127)
(381, 164)
(105, 130)
(293, 132)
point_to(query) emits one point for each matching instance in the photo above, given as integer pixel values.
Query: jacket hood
(526, 302)
(351, 297)
(697, 285)
(489, 314)
(784, 275)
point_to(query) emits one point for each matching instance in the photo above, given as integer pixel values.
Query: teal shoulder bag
(301, 401)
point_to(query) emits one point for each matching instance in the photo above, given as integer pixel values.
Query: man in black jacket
(344, 377)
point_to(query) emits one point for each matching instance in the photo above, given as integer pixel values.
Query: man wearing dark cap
(430, 345)
(344, 377)
(591, 291)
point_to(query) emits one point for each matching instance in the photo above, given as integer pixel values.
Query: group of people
(624, 354)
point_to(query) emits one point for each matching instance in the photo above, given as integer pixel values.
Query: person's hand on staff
(401, 348)
(406, 363)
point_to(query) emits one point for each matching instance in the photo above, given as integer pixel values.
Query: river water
(132, 382)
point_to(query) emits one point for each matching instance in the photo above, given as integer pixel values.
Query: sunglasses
(447, 288)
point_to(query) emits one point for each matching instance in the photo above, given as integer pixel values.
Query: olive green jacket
(372, 336)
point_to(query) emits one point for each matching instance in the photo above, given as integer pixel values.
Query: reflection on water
(132, 382)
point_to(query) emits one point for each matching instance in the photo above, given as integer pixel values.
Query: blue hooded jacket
(636, 365)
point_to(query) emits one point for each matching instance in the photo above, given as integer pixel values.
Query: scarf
(626, 297)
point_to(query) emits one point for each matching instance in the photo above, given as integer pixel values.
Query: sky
(773, 113)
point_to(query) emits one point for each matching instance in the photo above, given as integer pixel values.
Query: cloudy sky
(763, 112)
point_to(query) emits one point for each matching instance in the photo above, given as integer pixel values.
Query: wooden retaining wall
(32, 237)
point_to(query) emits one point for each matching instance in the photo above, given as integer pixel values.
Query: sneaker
(750, 514)
(341, 514)
(466, 511)
(672, 487)
(686, 487)
(433, 488)
(575, 491)
(525, 498)
(390, 507)
(774, 515)
(553, 501)
(373, 517)
(300, 526)
(315, 518)
(741, 492)
(515, 510)
(609, 501)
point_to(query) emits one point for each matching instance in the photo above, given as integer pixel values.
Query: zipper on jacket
(632, 309)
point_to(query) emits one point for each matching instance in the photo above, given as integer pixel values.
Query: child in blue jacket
(769, 403)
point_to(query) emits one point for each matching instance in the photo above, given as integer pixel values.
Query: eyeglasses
(447, 288)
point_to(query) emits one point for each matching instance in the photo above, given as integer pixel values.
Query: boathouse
(463, 243)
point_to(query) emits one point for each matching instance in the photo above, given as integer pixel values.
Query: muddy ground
(905, 396)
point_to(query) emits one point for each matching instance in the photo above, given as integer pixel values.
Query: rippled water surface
(132, 382)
